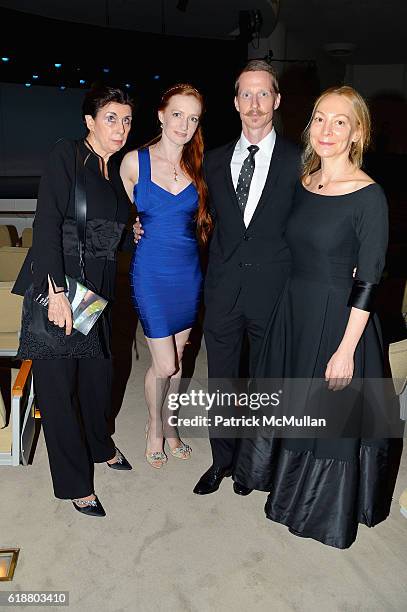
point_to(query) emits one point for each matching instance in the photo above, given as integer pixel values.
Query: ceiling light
(340, 49)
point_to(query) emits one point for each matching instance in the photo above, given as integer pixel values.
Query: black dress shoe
(121, 463)
(91, 507)
(239, 489)
(210, 481)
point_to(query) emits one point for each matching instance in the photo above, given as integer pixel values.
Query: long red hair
(191, 160)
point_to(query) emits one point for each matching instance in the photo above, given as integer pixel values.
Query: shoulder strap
(144, 176)
(80, 207)
(144, 166)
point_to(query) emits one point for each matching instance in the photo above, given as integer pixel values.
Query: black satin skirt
(319, 488)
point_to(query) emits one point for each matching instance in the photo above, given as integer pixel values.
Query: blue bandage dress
(165, 273)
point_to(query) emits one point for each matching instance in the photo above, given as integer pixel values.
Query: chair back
(8, 235)
(27, 237)
(10, 308)
(11, 261)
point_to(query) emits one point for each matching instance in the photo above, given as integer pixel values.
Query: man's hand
(339, 371)
(137, 231)
(59, 309)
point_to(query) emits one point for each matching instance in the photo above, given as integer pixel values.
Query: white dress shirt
(262, 162)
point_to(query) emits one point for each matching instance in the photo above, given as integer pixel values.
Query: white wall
(291, 46)
(373, 79)
(20, 221)
(275, 42)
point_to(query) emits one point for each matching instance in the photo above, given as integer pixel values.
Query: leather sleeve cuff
(362, 295)
(58, 288)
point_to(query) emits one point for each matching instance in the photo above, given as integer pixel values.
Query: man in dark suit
(251, 184)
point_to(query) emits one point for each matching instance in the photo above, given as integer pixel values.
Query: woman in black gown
(322, 329)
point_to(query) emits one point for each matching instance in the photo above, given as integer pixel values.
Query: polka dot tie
(245, 177)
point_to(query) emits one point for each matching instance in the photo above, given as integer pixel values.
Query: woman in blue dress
(164, 179)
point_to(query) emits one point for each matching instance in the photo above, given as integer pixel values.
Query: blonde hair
(310, 159)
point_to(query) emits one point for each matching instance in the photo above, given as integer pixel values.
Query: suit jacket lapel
(271, 180)
(229, 181)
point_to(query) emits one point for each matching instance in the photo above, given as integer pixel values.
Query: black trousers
(74, 398)
(225, 333)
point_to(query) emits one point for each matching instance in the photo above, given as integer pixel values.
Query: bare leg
(166, 359)
(163, 366)
(171, 434)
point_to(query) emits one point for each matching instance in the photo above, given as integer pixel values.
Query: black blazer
(256, 257)
(55, 246)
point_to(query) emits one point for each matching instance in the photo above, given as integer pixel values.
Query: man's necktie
(245, 177)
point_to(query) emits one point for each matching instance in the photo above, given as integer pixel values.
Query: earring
(161, 125)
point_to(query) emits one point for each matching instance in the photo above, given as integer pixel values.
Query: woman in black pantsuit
(83, 380)
(55, 380)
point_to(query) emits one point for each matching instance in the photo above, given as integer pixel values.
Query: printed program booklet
(86, 305)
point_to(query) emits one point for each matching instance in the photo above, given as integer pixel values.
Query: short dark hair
(97, 97)
(254, 66)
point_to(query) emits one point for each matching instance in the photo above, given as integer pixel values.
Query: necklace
(175, 173)
(102, 161)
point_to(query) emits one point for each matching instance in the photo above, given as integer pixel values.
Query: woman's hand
(137, 231)
(339, 371)
(59, 310)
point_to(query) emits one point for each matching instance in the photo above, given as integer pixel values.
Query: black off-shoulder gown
(322, 488)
